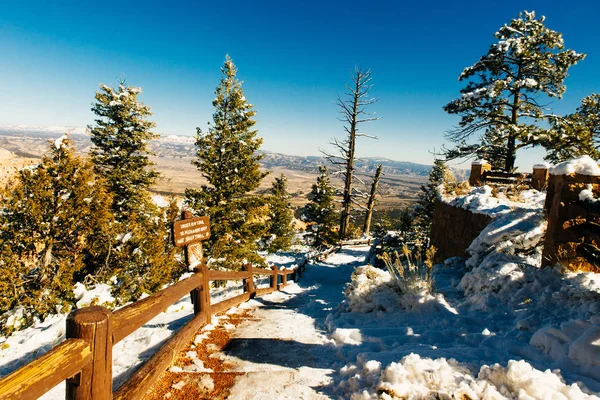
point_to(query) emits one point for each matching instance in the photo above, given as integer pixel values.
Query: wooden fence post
(274, 278)
(249, 283)
(477, 169)
(205, 293)
(284, 278)
(196, 293)
(94, 325)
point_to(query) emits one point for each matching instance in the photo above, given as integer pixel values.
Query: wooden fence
(482, 174)
(84, 359)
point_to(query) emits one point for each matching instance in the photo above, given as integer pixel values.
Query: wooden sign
(192, 230)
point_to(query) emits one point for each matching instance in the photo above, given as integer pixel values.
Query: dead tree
(371, 201)
(353, 112)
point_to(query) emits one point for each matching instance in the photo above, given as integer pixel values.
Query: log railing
(84, 360)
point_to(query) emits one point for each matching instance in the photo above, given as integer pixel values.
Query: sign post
(189, 233)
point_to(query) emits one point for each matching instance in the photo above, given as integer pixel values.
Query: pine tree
(320, 212)
(120, 147)
(502, 98)
(55, 230)
(576, 134)
(140, 259)
(227, 159)
(438, 175)
(280, 231)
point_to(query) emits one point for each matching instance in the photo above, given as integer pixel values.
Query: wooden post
(196, 294)
(477, 169)
(284, 278)
(94, 325)
(539, 177)
(205, 293)
(249, 283)
(274, 278)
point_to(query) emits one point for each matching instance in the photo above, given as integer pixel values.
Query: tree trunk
(371, 202)
(347, 200)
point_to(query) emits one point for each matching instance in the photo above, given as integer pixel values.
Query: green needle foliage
(502, 101)
(280, 231)
(120, 152)
(140, 258)
(227, 159)
(320, 212)
(576, 134)
(54, 231)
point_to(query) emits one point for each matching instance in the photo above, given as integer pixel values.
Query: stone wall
(454, 229)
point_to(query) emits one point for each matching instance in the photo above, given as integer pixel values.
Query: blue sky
(293, 57)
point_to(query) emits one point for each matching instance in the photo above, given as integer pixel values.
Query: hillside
(399, 185)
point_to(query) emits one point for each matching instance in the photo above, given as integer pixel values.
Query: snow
(58, 143)
(544, 165)
(160, 201)
(583, 165)
(495, 327)
(479, 162)
(483, 200)
(100, 295)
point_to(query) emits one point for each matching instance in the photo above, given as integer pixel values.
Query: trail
(285, 353)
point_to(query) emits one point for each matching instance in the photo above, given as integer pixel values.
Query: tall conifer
(228, 159)
(140, 259)
(320, 212)
(280, 231)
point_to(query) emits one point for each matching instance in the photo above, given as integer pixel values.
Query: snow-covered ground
(28, 344)
(496, 327)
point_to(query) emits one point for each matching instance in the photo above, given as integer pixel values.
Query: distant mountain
(364, 166)
(28, 141)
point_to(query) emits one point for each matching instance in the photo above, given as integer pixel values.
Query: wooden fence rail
(84, 360)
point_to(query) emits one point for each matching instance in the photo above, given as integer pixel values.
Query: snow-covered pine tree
(228, 159)
(280, 231)
(439, 174)
(120, 146)
(55, 230)
(576, 134)
(320, 212)
(140, 258)
(502, 96)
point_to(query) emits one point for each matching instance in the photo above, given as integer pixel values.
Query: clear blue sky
(294, 57)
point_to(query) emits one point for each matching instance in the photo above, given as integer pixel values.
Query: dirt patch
(201, 385)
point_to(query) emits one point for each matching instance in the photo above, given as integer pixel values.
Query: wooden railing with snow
(84, 359)
(482, 174)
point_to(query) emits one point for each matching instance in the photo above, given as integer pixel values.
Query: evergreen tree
(120, 147)
(576, 134)
(280, 231)
(140, 259)
(227, 159)
(501, 99)
(320, 212)
(438, 175)
(55, 230)
(406, 221)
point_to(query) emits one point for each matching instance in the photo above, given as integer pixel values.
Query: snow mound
(416, 377)
(372, 289)
(483, 200)
(583, 165)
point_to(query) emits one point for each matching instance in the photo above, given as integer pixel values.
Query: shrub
(410, 272)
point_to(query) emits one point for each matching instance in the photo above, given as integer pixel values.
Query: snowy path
(287, 354)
